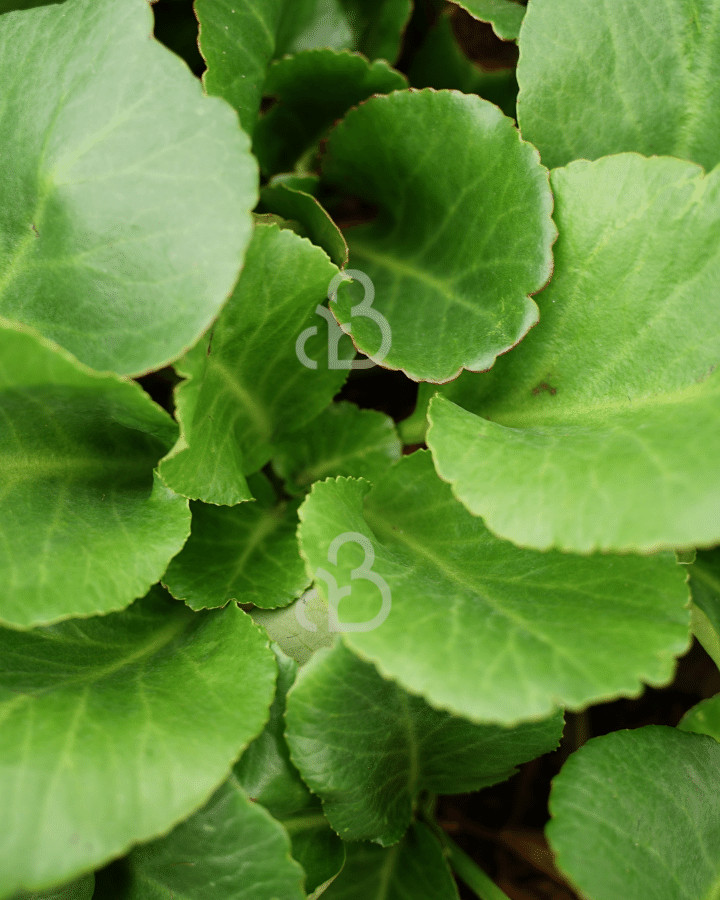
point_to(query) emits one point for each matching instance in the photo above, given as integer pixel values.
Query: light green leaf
(284, 199)
(85, 525)
(269, 777)
(127, 192)
(117, 727)
(703, 718)
(505, 16)
(82, 889)
(313, 89)
(440, 63)
(636, 814)
(457, 248)
(367, 748)
(231, 849)
(601, 78)
(247, 386)
(378, 26)
(247, 553)
(342, 440)
(478, 626)
(601, 429)
(288, 626)
(416, 867)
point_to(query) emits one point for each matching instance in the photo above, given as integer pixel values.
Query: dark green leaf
(367, 747)
(313, 89)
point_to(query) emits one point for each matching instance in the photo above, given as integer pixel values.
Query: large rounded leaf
(636, 814)
(601, 429)
(600, 78)
(117, 727)
(367, 747)
(463, 234)
(476, 625)
(126, 191)
(85, 525)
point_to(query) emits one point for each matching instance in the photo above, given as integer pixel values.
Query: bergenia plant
(359, 428)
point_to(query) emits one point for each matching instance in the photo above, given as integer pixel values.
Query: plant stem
(465, 868)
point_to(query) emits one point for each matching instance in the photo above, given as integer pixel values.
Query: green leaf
(295, 639)
(247, 386)
(636, 814)
(705, 606)
(313, 89)
(267, 774)
(284, 199)
(601, 78)
(703, 718)
(440, 63)
(456, 249)
(342, 440)
(416, 867)
(367, 748)
(601, 430)
(117, 727)
(505, 16)
(231, 849)
(378, 26)
(127, 192)
(85, 525)
(478, 626)
(247, 553)
(82, 889)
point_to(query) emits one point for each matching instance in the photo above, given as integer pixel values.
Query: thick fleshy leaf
(313, 89)
(416, 867)
(85, 525)
(440, 63)
(601, 429)
(505, 16)
(378, 26)
(636, 814)
(457, 248)
(476, 625)
(119, 726)
(231, 849)
(601, 78)
(367, 747)
(342, 440)
(284, 199)
(300, 629)
(127, 191)
(703, 718)
(80, 889)
(247, 553)
(268, 776)
(246, 385)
